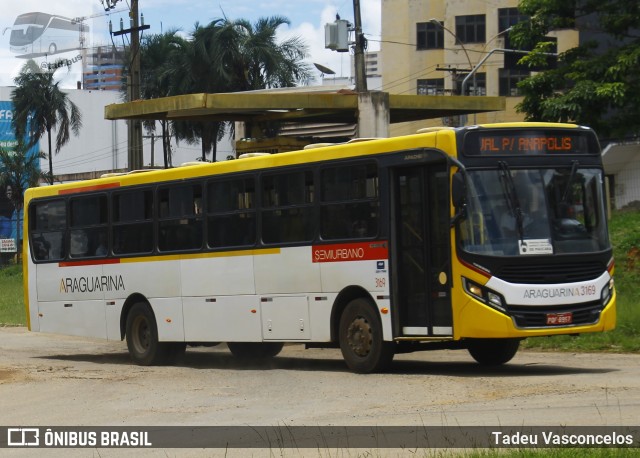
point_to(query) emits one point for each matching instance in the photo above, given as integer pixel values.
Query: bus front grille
(551, 273)
(530, 317)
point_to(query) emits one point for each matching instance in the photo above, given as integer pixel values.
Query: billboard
(8, 216)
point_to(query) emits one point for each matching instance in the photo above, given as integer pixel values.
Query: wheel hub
(359, 336)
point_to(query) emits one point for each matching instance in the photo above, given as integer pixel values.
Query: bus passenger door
(421, 252)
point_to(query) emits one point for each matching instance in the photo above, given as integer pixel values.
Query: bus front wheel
(493, 352)
(361, 340)
(142, 337)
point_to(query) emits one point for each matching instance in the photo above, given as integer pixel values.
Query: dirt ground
(61, 380)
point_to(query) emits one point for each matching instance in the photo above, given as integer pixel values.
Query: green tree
(596, 83)
(233, 56)
(249, 57)
(41, 106)
(19, 170)
(156, 52)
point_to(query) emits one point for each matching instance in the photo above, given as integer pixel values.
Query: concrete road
(61, 380)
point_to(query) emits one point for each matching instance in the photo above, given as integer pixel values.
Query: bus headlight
(484, 294)
(606, 293)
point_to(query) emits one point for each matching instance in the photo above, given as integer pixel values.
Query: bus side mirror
(458, 190)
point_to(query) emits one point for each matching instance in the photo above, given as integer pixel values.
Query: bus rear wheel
(493, 352)
(255, 351)
(361, 340)
(142, 337)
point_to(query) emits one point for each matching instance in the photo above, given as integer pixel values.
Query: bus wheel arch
(142, 337)
(130, 302)
(361, 339)
(342, 300)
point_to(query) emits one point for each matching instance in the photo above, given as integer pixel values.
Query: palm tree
(41, 106)
(19, 170)
(250, 58)
(191, 70)
(155, 52)
(230, 56)
(258, 60)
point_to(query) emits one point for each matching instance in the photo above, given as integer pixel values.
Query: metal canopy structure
(298, 106)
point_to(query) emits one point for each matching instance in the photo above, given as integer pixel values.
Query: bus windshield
(28, 28)
(513, 212)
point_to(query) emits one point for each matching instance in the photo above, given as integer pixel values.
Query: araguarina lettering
(90, 284)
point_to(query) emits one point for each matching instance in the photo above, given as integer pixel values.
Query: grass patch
(12, 310)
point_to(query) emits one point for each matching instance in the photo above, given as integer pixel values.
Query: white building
(102, 145)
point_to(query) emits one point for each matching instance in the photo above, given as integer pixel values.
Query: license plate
(559, 318)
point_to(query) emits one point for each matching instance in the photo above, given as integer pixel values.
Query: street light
(458, 41)
(479, 64)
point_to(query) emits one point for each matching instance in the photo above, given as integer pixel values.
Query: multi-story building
(430, 47)
(103, 68)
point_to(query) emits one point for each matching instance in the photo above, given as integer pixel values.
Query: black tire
(493, 352)
(255, 351)
(361, 340)
(142, 337)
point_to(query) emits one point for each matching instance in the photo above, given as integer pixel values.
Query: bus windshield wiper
(572, 176)
(511, 196)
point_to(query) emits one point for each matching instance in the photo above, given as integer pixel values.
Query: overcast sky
(307, 17)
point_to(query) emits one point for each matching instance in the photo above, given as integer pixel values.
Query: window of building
(470, 29)
(349, 202)
(429, 36)
(509, 80)
(180, 217)
(508, 17)
(231, 216)
(287, 207)
(88, 226)
(477, 84)
(132, 222)
(48, 221)
(432, 86)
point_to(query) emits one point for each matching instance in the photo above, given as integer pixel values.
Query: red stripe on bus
(89, 262)
(359, 251)
(96, 187)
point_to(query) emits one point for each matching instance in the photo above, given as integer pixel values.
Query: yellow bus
(469, 238)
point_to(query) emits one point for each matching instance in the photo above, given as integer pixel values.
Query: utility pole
(361, 75)
(134, 126)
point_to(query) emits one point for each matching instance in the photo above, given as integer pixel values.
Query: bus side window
(132, 218)
(88, 226)
(180, 220)
(349, 202)
(231, 213)
(287, 207)
(48, 223)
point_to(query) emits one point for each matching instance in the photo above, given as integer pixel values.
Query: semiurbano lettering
(339, 254)
(90, 284)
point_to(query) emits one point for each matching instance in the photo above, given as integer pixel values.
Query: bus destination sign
(527, 142)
